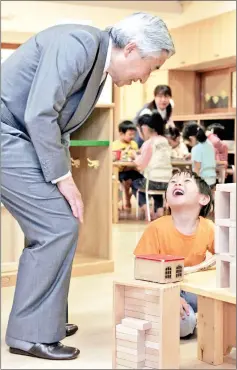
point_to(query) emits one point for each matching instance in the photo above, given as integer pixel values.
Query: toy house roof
(160, 257)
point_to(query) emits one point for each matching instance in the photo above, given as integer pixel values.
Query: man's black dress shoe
(71, 329)
(54, 351)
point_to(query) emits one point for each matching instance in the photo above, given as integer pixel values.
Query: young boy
(186, 232)
(128, 146)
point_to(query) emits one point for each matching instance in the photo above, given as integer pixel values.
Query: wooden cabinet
(228, 35)
(205, 41)
(217, 39)
(92, 143)
(186, 45)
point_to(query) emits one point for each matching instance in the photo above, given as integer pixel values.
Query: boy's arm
(149, 242)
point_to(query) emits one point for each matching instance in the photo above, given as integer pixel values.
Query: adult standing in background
(50, 86)
(162, 103)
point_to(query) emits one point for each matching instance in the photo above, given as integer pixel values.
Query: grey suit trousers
(39, 307)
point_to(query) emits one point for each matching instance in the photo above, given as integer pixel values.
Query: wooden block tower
(225, 236)
(146, 326)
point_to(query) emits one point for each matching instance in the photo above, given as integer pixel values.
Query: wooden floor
(90, 306)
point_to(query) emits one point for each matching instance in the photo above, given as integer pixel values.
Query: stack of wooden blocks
(146, 326)
(225, 236)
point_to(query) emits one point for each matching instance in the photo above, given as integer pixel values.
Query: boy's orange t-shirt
(161, 237)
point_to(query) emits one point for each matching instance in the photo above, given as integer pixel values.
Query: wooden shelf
(111, 105)
(207, 116)
(89, 143)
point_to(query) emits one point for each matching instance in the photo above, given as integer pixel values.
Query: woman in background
(162, 103)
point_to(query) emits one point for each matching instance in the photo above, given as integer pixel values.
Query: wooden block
(129, 337)
(151, 351)
(222, 205)
(222, 239)
(136, 323)
(232, 241)
(233, 206)
(126, 330)
(129, 289)
(141, 315)
(222, 273)
(131, 351)
(233, 278)
(153, 332)
(226, 257)
(227, 222)
(153, 358)
(229, 188)
(153, 345)
(130, 364)
(133, 358)
(140, 294)
(133, 345)
(152, 338)
(152, 364)
(151, 309)
(153, 292)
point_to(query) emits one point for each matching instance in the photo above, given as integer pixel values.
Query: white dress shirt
(107, 63)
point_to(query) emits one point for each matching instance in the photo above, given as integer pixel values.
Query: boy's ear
(204, 199)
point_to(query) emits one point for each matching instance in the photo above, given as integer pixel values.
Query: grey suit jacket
(50, 85)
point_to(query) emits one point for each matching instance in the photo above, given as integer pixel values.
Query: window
(179, 271)
(168, 273)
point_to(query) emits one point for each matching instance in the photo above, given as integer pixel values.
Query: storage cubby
(90, 144)
(94, 253)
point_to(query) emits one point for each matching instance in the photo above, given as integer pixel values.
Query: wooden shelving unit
(94, 252)
(92, 141)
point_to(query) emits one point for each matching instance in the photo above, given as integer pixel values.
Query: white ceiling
(148, 6)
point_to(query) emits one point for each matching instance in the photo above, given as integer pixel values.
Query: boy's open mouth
(178, 192)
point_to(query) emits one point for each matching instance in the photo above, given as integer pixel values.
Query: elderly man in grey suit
(49, 87)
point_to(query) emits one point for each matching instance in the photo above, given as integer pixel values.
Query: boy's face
(128, 136)
(183, 191)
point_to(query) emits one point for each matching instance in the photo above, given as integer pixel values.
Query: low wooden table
(216, 316)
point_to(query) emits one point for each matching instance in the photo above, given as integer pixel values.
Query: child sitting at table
(202, 153)
(128, 147)
(185, 232)
(214, 134)
(179, 149)
(154, 161)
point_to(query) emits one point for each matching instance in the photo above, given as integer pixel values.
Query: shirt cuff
(62, 177)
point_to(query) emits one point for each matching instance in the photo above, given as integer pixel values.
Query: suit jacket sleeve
(61, 63)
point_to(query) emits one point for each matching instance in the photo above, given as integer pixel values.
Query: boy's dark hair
(172, 132)
(204, 189)
(125, 126)
(193, 129)
(218, 129)
(153, 121)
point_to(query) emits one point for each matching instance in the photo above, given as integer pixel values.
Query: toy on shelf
(75, 163)
(93, 164)
(146, 327)
(157, 268)
(225, 236)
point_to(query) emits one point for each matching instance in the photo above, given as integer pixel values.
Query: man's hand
(184, 308)
(69, 190)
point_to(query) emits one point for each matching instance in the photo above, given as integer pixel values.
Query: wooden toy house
(159, 268)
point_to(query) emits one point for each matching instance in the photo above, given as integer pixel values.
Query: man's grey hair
(148, 32)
